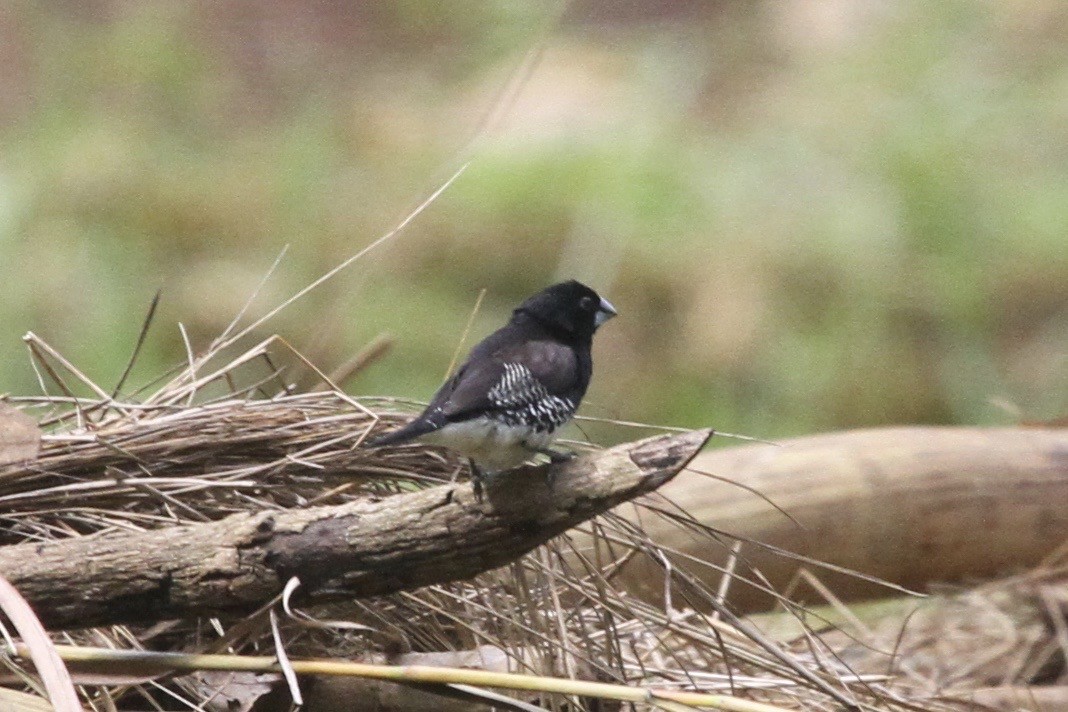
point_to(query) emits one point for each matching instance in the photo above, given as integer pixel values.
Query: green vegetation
(808, 222)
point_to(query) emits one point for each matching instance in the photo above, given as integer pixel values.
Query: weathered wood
(359, 549)
(911, 505)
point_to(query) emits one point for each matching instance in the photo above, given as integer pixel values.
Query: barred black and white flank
(518, 386)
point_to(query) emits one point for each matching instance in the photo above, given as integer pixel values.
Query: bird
(517, 387)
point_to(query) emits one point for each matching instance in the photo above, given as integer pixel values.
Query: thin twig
(161, 662)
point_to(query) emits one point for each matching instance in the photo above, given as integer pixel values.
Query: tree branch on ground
(359, 549)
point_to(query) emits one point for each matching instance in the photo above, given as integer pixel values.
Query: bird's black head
(570, 309)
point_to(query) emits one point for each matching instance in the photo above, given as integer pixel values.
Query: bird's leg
(477, 477)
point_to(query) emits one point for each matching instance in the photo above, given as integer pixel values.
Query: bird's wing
(466, 394)
(459, 394)
(513, 378)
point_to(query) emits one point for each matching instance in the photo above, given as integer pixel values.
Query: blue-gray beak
(604, 312)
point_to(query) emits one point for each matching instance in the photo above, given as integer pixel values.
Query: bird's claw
(557, 456)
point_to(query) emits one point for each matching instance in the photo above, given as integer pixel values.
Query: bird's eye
(586, 303)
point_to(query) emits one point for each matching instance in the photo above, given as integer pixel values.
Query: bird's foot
(556, 456)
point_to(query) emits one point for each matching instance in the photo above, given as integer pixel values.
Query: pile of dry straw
(225, 434)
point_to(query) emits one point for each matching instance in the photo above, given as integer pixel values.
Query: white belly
(493, 446)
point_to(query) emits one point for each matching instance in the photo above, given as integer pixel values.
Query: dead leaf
(234, 691)
(20, 438)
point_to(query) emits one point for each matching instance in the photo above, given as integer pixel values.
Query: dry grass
(200, 447)
(227, 432)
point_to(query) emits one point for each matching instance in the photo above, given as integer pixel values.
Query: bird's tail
(409, 432)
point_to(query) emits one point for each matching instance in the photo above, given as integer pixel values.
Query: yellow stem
(408, 673)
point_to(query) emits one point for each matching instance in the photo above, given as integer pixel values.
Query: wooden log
(358, 549)
(910, 505)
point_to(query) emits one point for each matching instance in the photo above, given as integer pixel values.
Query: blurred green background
(811, 214)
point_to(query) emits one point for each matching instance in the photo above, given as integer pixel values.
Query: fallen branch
(359, 549)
